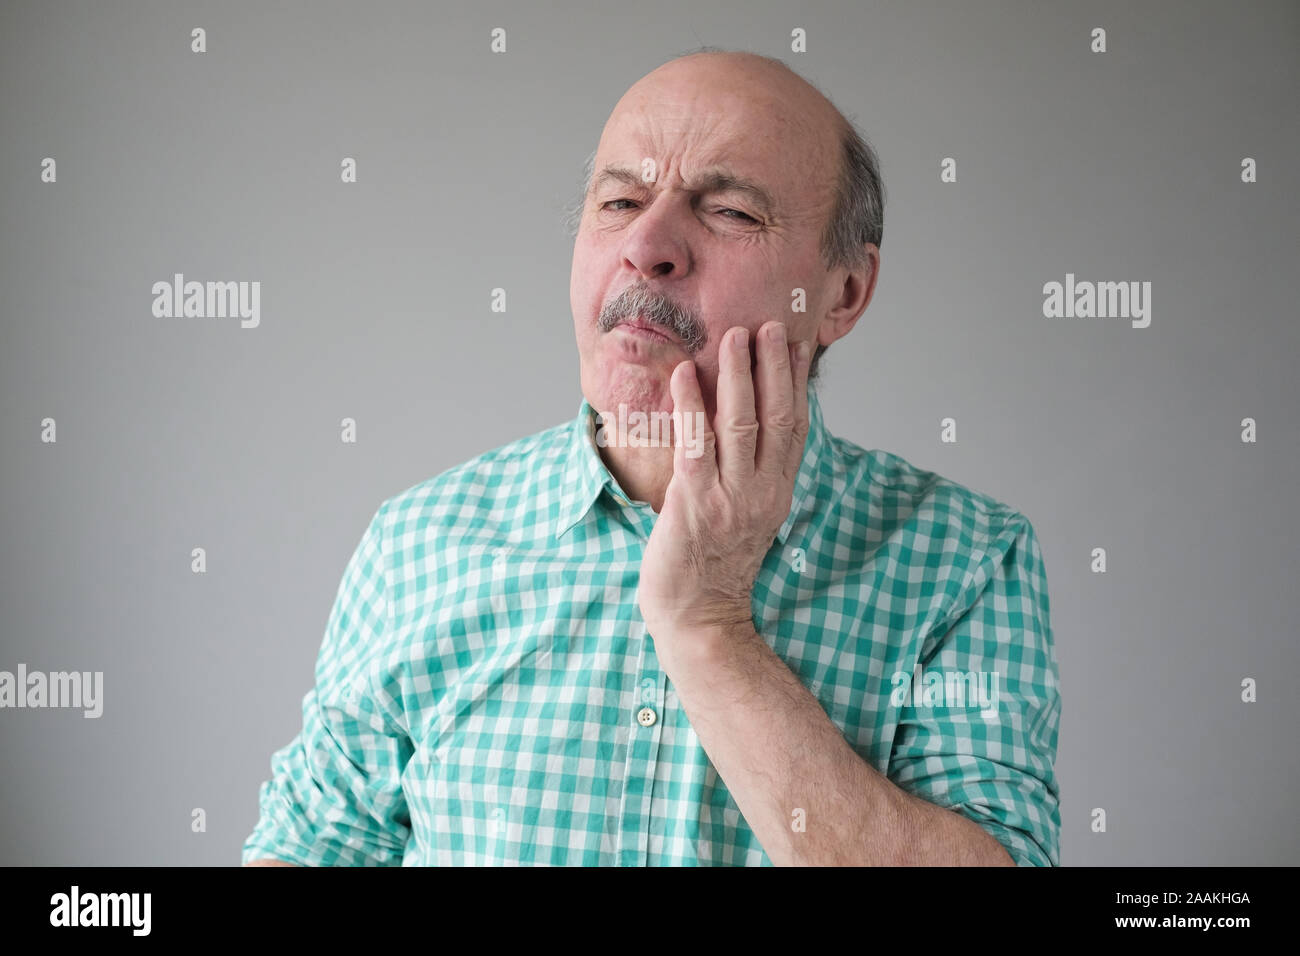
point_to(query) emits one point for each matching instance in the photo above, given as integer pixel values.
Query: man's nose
(655, 244)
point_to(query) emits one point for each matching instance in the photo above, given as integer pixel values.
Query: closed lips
(642, 326)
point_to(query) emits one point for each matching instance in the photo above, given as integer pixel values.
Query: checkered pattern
(478, 687)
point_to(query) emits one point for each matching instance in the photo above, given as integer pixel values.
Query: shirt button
(645, 716)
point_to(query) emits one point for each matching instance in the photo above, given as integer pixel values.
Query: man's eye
(739, 213)
(740, 216)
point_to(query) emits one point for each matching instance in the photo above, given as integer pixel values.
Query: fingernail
(804, 350)
(740, 341)
(780, 333)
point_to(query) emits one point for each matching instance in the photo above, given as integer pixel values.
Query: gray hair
(857, 217)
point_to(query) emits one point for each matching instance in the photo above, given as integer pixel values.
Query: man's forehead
(698, 133)
(721, 125)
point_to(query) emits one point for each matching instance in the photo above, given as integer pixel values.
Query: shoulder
(925, 509)
(952, 546)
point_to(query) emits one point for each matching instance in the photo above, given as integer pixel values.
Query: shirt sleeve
(335, 795)
(997, 770)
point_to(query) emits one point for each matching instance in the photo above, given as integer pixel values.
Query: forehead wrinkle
(663, 125)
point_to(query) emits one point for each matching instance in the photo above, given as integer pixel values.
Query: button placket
(646, 715)
(643, 751)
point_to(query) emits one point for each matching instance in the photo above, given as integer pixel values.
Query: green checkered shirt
(487, 692)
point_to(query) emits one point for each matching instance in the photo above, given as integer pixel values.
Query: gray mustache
(657, 310)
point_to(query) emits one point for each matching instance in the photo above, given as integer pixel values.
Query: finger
(735, 423)
(775, 399)
(694, 445)
(799, 437)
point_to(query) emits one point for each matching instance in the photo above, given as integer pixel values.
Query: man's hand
(723, 509)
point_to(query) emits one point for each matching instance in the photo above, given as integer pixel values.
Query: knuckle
(743, 430)
(781, 418)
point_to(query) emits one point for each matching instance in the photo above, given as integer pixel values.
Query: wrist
(700, 641)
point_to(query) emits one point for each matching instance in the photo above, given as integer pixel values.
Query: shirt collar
(585, 474)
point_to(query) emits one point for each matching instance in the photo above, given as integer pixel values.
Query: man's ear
(855, 293)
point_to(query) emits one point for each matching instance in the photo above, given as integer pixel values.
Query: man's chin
(638, 387)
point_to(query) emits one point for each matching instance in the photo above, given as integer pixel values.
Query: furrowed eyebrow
(619, 174)
(710, 180)
(720, 181)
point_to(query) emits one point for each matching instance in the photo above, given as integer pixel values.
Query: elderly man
(744, 641)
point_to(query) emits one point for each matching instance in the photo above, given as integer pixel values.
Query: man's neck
(643, 473)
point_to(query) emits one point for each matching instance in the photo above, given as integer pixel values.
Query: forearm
(779, 754)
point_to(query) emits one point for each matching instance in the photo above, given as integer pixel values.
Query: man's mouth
(640, 327)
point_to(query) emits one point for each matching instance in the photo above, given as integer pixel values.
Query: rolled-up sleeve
(997, 770)
(335, 794)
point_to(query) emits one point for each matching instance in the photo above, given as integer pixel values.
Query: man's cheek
(707, 361)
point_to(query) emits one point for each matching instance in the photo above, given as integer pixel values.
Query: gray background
(183, 433)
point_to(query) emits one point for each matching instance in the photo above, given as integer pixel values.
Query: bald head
(790, 102)
(758, 72)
